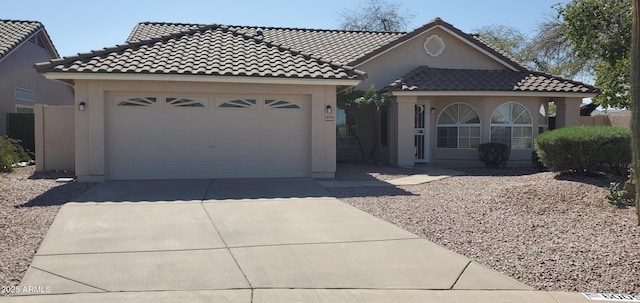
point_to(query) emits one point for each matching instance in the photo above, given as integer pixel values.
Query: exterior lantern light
(82, 106)
(329, 109)
(433, 110)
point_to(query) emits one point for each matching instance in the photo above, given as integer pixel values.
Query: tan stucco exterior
(55, 140)
(91, 132)
(400, 60)
(16, 71)
(396, 62)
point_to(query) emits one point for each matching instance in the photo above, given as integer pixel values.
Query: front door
(421, 134)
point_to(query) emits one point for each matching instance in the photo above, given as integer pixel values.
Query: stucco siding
(485, 106)
(92, 125)
(388, 67)
(16, 70)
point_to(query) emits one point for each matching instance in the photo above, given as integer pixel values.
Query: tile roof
(340, 46)
(14, 32)
(204, 50)
(424, 78)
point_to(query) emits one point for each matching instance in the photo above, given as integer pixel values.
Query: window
(25, 94)
(511, 124)
(344, 135)
(138, 101)
(458, 127)
(24, 110)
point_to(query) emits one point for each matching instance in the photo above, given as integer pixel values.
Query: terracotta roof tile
(339, 46)
(13, 33)
(425, 78)
(205, 50)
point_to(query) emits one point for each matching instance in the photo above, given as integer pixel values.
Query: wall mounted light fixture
(82, 106)
(329, 109)
(433, 110)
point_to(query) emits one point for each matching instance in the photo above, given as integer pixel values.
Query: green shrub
(11, 153)
(616, 195)
(586, 149)
(494, 154)
(537, 164)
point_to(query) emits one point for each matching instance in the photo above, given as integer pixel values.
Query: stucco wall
(485, 106)
(390, 66)
(16, 70)
(91, 125)
(55, 140)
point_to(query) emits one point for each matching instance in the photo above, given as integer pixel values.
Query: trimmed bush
(535, 161)
(11, 152)
(586, 149)
(494, 154)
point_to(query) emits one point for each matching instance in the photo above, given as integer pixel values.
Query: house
(203, 101)
(22, 44)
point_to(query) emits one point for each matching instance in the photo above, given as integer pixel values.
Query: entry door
(421, 142)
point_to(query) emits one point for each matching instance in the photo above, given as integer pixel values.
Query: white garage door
(155, 136)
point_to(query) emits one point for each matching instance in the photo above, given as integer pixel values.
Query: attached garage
(178, 135)
(206, 102)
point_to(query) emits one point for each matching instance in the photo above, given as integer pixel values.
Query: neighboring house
(203, 101)
(22, 44)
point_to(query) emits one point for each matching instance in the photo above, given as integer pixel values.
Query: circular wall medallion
(434, 45)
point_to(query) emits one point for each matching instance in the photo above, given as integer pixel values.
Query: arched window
(459, 127)
(511, 124)
(344, 135)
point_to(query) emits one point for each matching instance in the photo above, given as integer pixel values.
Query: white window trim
(24, 89)
(511, 125)
(458, 125)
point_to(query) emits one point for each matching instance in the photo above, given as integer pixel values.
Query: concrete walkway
(429, 174)
(269, 240)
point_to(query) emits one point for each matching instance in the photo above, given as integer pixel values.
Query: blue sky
(79, 26)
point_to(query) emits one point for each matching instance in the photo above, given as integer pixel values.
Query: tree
(353, 99)
(635, 100)
(599, 31)
(550, 51)
(375, 15)
(508, 39)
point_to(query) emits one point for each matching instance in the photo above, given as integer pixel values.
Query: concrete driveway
(247, 240)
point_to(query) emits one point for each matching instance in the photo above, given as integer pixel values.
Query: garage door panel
(159, 142)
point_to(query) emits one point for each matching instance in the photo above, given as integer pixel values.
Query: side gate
(21, 126)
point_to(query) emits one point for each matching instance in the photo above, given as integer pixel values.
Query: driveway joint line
(460, 275)
(222, 239)
(332, 242)
(127, 252)
(69, 279)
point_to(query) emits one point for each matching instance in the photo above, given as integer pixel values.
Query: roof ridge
(21, 21)
(137, 44)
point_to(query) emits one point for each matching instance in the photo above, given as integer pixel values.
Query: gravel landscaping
(552, 232)
(29, 202)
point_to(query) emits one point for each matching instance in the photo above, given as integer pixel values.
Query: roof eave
(497, 94)
(199, 78)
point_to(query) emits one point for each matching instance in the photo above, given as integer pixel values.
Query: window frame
(33, 94)
(511, 125)
(350, 138)
(26, 107)
(458, 126)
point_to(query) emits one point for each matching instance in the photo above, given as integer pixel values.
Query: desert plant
(630, 186)
(11, 152)
(616, 195)
(586, 149)
(494, 154)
